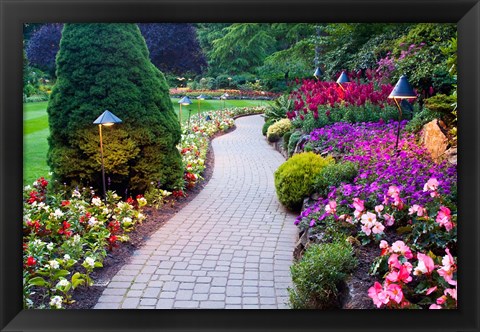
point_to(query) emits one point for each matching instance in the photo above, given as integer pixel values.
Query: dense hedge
(106, 66)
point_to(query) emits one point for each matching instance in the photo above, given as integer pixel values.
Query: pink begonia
(448, 268)
(452, 292)
(432, 186)
(431, 290)
(400, 247)
(367, 230)
(441, 300)
(383, 244)
(389, 219)
(393, 191)
(358, 204)
(393, 261)
(434, 306)
(331, 207)
(378, 228)
(368, 219)
(378, 294)
(444, 218)
(425, 265)
(379, 208)
(418, 209)
(395, 293)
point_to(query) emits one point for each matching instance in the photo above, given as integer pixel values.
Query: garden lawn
(35, 130)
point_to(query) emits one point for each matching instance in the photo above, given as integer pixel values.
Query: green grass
(35, 131)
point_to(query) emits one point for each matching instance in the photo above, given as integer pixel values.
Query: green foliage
(266, 125)
(292, 142)
(106, 66)
(286, 138)
(333, 175)
(156, 197)
(441, 103)
(279, 108)
(420, 119)
(317, 276)
(278, 129)
(294, 178)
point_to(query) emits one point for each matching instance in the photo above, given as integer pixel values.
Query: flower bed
(233, 94)
(405, 198)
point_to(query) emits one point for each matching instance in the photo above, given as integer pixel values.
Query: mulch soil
(86, 298)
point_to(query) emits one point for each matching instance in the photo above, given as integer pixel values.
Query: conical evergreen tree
(106, 67)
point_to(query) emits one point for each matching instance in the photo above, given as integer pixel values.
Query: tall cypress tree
(107, 66)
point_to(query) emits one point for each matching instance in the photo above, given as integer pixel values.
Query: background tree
(174, 47)
(42, 47)
(106, 66)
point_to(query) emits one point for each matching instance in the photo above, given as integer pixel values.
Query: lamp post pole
(399, 120)
(103, 163)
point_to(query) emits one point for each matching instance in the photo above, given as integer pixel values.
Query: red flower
(130, 201)
(65, 203)
(64, 230)
(112, 239)
(31, 261)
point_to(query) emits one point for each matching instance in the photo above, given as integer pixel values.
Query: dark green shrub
(317, 276)
(333, 175)
(294, 178)
(266, 125)
(286, 138)
(420, 119)
(292, 142)
(107, 66)
(441, 103)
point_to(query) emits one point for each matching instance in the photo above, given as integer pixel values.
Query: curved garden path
(230, 247)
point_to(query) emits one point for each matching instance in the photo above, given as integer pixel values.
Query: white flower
(105, 211)
(35, 183)
(92, 221)
(66, 257)
(50, 246)
(96, 201)
(56, 302)
(38, 243)
(27, 187)
(58, 213)
(63, 283)
(54, 264)
(90, 261)
(127, 220)
(76, 238)
(76, 193)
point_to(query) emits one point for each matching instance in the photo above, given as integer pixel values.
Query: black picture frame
(466, 13)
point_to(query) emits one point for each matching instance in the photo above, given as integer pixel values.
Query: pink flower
(452, 292)
(431, 290)
(378, 228)
(448, 268)
(368, 219)
(425, 265)
(379, 208)
(383, 244)
(434, 306)
(441, 300)
(400, 247)
(395, 293)
(378, 295)
(421, 211)
(389, 219)
(358, 204)
(393, 261)
(431, 185)
(444, 218)
(393, 191)
(367, 230)
(331, 207)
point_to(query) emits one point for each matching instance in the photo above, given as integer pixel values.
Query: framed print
(132, 152)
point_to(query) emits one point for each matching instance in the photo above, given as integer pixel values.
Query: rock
(451, 155)
(434, 140)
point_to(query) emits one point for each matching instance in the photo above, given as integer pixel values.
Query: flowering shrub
(278, 129)
(318, 103)
(67, 236)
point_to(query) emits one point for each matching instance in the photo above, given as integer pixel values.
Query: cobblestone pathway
(231, 247)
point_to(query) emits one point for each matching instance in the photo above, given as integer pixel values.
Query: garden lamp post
(105, 119)
(201, 97)
(343, 78)
(402, 90)
(224, 97)
(184, 101)
(318, 72)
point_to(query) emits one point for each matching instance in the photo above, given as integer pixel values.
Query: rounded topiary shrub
(278, 129)
(106, 67)
(333, 175)
(294, 178)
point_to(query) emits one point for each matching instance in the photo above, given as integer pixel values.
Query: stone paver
(230, 247)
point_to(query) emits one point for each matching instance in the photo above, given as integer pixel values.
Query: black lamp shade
(318, 72)
(185, 101)
(343, 78)
(107, 117)
(403, 89)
